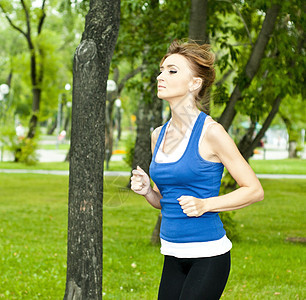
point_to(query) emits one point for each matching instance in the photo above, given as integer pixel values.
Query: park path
(125, 173)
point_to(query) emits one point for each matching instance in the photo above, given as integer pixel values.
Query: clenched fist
(140, 182)
(192, 206)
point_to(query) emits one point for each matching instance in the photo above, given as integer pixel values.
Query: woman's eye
(172, 72)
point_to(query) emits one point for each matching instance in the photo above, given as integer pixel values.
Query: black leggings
(194, 278)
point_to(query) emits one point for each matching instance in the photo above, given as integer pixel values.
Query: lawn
(280, 166)
(113, 166)
(33, 225)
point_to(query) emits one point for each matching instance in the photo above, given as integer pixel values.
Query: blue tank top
(191, 175)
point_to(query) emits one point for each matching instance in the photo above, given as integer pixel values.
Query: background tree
(36, 51)
(278, 78)
(91, 67)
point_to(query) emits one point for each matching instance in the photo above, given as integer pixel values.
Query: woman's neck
(184, 113)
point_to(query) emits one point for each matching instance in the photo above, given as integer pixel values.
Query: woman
(190, 152)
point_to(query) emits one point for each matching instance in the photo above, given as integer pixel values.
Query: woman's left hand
(192, 206)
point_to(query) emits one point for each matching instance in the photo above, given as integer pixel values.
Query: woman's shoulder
(218, 138)
(213, 131)
(154, 136)
(156, 133)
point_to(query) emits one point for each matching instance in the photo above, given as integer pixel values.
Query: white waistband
(197, 249)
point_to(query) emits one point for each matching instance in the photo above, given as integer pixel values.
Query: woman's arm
(140, 184)
(140, 181)
(250, 189)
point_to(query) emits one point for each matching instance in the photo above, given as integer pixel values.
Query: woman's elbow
(259, 194)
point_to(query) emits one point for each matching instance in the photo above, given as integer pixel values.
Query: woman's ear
(197, 83)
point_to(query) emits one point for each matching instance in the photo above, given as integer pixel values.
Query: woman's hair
(201, 61)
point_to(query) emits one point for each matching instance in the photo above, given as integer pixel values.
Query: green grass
(37, 166)
(280, 166)
(54, 146)
(283, 166)
(113, 166)
(33, 227)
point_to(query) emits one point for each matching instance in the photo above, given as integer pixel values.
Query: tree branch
(241, 17)
(127, 77)
(42, 18)
(224, 77)
(243, 21)
(252, 65)
(11, 22)
(265, 126)
(27, 19)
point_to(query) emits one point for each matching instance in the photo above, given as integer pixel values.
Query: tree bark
(197, 22)
(90, 73)
(252, 65)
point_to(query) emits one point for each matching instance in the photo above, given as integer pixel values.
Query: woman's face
(175, 78)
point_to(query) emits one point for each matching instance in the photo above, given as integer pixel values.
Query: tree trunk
(53, 126)
(198, 33)
(35, 110)
(293, 136)
(142, 152)
(292, 152)
(252, 66)
(197, 22)
(247, 151)
(247, 138)
(90, 73)
(109, 122)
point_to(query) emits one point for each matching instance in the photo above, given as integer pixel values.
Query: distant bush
(23, 149)
(26, 151)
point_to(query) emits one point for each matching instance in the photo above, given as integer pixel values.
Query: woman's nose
(159, 77)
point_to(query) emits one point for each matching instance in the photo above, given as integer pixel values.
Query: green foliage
(147, 28)
(293, 115)
(54, 49)
(25, 151)
(156, 24)
(8, 137)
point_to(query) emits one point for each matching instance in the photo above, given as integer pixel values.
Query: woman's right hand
(140, 182)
